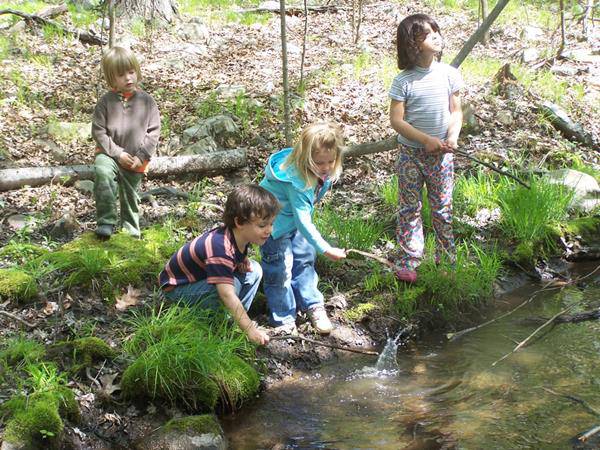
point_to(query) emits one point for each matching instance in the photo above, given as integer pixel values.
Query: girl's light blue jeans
(290, 279)
(205, 295)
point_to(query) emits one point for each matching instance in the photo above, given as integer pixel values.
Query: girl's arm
(455, 123)
(400, 125)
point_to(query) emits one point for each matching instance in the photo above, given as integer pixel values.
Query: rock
(85, 186)
(205, 145)
(566, 71)
(186, 433)
(222, 129)
(529, 55)
(195, 32)
(12, 446)
(530, 33)
(58, 153)
(69, 132)
(103, 23)
(20, 221)
(505, 117)
(470, 123)
(271, 5)
(64, 227)
(230, 90)
(585, 187)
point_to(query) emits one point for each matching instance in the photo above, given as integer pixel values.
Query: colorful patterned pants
(416, 168)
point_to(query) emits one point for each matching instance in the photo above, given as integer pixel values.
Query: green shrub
(189, 357)
(531, 215)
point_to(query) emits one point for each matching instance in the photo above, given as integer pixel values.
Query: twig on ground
(372, 256)
(18, 319)
(323, 344)
(525, 341)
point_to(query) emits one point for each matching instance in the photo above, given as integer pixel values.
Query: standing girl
(426, 112)
(299, 178)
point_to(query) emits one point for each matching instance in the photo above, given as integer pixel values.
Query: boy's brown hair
(118, 60)
(249, 201)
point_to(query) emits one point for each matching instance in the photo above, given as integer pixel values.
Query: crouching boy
(214, 268)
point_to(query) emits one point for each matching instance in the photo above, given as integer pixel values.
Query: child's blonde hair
(319, 136)
(118, 60)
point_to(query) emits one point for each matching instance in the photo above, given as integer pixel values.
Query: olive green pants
(112, 181)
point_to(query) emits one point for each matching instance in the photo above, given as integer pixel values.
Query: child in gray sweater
(126, 128)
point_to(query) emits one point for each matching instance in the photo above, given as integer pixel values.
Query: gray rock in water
(85, 186)
(187, 433)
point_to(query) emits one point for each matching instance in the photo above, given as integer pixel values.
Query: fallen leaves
(130, 298)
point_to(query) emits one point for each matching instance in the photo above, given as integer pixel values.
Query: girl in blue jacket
(299, 177)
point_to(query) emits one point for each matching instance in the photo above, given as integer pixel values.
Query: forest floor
(46, 80)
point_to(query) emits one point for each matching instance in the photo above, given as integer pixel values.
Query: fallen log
(161, 166)
(291, 9)
(562, 122)
(83, 36)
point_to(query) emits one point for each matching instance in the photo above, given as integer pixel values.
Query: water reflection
(444, 394)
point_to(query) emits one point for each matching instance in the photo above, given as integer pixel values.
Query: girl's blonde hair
(317, 137)
(118, 60)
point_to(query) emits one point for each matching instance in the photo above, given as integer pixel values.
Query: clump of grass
(19, 350)
(189, 357)
(348, 230)
(546, 84)
(480, 69)
(473, 193)
(532, 215)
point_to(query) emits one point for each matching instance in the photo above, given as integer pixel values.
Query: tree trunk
(284, 68)
(150, 9)
(476, 37)
(160, 166)
(484, 13)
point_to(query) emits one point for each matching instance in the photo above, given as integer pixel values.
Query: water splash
(387, 359)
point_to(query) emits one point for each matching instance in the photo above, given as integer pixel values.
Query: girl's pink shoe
(406, 275)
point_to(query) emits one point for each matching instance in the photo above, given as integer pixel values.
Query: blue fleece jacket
(297, 200)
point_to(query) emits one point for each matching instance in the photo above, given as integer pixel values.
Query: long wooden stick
(18, 319)
(381, 259)
(492, 167)
(524, 342)
(323, 344)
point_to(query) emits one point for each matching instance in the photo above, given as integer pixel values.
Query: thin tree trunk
(304, 44)
(284, 64)
(484, 13)
(112, 19)
(563, 38)
(475, 37)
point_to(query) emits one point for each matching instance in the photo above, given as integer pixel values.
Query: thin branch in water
(574, 399)
(525, 341)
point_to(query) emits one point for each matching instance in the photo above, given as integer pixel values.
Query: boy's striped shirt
(213, 257)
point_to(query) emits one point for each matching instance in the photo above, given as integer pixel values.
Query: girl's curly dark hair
(411, 32)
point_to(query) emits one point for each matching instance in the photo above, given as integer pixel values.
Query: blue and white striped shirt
(426, 95)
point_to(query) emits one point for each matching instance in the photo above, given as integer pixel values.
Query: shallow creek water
(445, 393)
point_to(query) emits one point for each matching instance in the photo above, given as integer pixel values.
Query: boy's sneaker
(320, 321)
(406, 275)
(104, 231)
(287, 329)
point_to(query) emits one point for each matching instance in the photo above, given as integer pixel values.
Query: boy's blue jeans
(290, 280)
(205, 295)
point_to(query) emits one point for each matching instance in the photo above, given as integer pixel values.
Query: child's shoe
(406, 275)
(320, 321)
(104, 231)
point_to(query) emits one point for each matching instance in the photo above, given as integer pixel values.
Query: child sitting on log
(126, 128)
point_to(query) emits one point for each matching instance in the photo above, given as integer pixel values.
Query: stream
(441, 394)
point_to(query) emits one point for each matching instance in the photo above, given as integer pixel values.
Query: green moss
(89, 349)
(17, 285)
(238, 381)
(21, 251)
(586, 227)
(202, 424)
(524, 253)
(358, 312)
(37, 421)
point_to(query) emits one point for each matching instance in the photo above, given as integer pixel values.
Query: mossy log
(205, 164)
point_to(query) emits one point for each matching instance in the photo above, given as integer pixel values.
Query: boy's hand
(126, 160)
(335, 253)
(434, 145)
(137, 162)
(257, 336)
